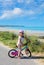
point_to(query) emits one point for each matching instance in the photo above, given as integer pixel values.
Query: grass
(10, 39)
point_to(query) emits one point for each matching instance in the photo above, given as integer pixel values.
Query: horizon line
(20, 26)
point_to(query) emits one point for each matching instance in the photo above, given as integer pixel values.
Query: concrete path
(5, 60)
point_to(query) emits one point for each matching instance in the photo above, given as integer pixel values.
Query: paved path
(5, 60)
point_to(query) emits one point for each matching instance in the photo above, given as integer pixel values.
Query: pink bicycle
(14, 52)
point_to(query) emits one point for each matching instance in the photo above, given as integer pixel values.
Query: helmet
(21, 31)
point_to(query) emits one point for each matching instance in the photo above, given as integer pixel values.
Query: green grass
(10, 39)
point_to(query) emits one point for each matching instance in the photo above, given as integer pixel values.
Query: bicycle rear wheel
(12, 53)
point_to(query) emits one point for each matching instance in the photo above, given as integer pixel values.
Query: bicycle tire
(29, 53)
(10, 52)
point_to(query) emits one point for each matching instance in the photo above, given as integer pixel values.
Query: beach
(28, 32)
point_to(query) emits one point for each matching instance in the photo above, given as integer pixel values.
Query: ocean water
(27, 28)
(23, 27)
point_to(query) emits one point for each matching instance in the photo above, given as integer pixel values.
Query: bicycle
(14, 52)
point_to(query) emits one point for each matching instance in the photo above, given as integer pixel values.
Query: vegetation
(41, 37)
(10, 39)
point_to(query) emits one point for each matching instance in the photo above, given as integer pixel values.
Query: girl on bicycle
(20, 42)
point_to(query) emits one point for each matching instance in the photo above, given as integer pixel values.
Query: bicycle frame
(24, 48)
(14, 52)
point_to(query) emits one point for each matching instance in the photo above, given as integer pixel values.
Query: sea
(18, 27)
(27, 28)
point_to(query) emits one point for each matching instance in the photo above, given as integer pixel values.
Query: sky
(29, 13)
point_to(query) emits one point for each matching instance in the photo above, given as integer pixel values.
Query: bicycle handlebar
(27, 42)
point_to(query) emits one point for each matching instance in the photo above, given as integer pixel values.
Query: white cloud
(30, 12)
(10, 13)
(28, 1)
(42, 5)
(16, 12)
(3, 16)
(40, 9)
(20, 1)
(24, 1)
(33, 9)
(7, 2)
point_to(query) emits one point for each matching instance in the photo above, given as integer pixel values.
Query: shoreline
(28, 32)
(15, 29)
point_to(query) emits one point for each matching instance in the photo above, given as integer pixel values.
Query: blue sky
(22, 12)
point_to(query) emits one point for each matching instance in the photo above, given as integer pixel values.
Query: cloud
(24, 1)
(16, 12)
(6, 1)
(30, 12)
(6, 4)
(42, 5)
(30, 8)
(40, 9)
(36, 6)
(10, 13)
(28, 1)
(3, 16)
(20, 1)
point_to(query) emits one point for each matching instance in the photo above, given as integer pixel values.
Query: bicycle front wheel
(28, 53)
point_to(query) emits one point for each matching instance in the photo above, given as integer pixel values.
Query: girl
(20, 42)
